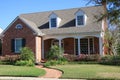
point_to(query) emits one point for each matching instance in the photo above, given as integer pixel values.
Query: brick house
(76, 30)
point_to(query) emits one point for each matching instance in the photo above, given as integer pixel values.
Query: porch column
(60, 43)
(79, 50)
(100, 46)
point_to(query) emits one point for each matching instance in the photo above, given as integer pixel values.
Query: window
(17, 44)
(53, 22)
(86, 45)
(19, 26)
(80, 20)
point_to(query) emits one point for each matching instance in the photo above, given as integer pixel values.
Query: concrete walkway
(50, 73)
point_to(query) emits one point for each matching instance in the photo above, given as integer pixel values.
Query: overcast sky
(10, 9)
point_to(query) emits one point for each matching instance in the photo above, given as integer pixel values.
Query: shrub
(86, 57)
(70, 57)
(55, 53)
(26, 57)
(26, 54)
(118, 49)
(55, 62)
(24, 63)
(9, 59)
(110, 60)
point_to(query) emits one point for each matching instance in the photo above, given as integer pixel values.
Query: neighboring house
(76, 30)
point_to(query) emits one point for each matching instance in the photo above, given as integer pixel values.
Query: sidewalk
(32, 78)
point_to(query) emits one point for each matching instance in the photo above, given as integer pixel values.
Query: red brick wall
(96, 45)
(13, 33)
(69, 45)
(47, 45)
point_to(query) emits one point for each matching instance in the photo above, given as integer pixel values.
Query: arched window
(19, 26)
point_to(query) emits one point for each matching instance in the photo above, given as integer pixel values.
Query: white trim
(79, 49)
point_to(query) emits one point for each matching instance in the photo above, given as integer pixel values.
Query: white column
(79, 50)
(60, 43)
(100, 46)
(88, 46)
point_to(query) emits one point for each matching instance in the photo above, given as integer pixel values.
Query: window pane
(76, 46)
(53, 22)
(18, 45)
(84, 46)
(80, 20)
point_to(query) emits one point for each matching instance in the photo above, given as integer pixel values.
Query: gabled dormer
(80, 18)
(54, 20)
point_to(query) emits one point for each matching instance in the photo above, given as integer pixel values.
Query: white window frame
(16, 43)
(80, 13)
(51, 23)
(77, 20)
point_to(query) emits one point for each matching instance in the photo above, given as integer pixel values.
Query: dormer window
(54, 20)
(80, 18)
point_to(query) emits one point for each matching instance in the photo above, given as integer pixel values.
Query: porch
(74, 45)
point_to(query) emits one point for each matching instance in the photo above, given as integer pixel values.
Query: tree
(112, 16)
(111, 10)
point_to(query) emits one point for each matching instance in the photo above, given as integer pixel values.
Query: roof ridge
(61, 10)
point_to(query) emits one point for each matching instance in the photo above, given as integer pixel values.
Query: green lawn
(10, 70)
(89, 71)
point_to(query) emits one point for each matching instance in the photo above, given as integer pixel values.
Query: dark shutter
(23, 42)
(13, 45)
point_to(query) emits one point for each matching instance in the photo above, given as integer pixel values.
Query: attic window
(53, 22)
(80, 20)
(19, 26)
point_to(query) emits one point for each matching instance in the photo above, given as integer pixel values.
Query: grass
(24, 71)
(89, 71)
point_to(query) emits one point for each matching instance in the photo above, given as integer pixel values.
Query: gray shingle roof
(67, 25)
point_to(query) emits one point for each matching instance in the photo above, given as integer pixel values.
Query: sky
(10, 9)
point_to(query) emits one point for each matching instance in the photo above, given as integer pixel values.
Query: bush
(26, 54)
(26, 57)
(56, 62)
(86, 57)
(24, 63)
(55, 53)
(70, 57)
(110, 60)
(9, 59)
